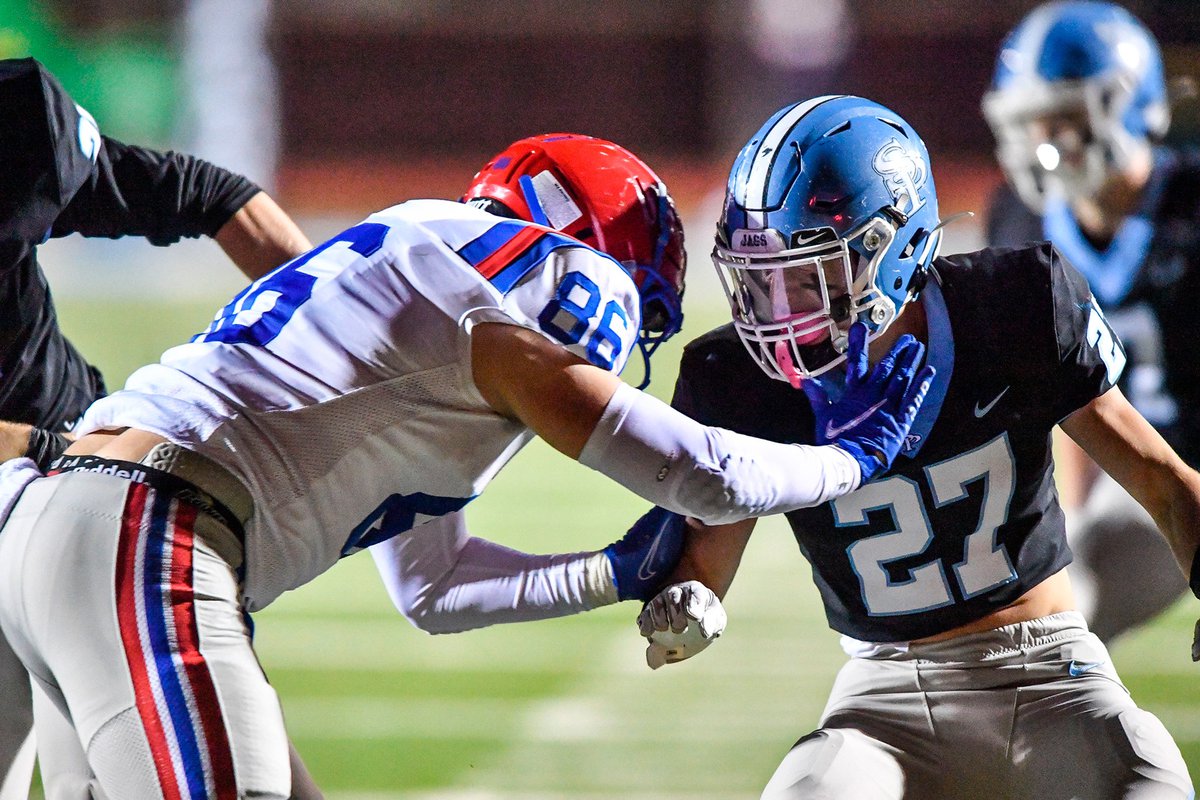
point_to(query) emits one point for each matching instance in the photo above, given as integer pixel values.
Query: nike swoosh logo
(833, 431)
(1079, 668)
(645, 571)
(983, 410)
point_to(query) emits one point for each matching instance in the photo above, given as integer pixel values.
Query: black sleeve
(134, 191)
(48, 146)
(1090, 356)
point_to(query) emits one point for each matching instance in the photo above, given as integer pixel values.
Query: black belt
(161, 480)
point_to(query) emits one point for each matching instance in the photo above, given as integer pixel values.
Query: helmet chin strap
(653, 284)
(645, 365)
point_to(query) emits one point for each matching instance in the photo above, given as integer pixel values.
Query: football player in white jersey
(360, 396)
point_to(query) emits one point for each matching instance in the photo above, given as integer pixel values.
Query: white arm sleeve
(444, 580)
(713, 474)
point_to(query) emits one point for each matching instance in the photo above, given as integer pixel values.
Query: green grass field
(563, 708)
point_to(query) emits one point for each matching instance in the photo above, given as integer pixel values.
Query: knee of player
(1150, 753)
(836, 763)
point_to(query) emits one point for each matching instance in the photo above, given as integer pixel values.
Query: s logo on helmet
(904, 173)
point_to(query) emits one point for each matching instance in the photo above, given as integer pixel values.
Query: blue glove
(644, 557)
(878, 407)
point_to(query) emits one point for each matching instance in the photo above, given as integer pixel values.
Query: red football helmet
(606, 197)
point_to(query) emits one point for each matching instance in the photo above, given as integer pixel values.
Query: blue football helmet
(830, 217)
(1078, 89)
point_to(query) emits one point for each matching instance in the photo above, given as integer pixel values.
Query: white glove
(680, 621)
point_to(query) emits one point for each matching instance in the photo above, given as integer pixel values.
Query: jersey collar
(939, 353)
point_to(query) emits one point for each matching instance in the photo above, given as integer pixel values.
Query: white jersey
(339, 389)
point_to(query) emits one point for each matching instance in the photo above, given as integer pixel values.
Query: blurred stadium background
(344, 107)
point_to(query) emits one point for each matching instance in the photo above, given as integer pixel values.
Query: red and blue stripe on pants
(173, 685)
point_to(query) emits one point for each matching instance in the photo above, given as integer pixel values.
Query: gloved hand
(679, 622)
(643, 558)
(878, 406)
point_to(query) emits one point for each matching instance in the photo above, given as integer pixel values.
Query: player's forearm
(653, 450)
(443, 588)
(260, 237)
(493, 585)
(1125, 446)
(1176, 511)
(43, 446)
(712, 555)
(712, 474)
(14, 439)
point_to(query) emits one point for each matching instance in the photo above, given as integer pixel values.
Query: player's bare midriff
(1051, 596)
(124, 444)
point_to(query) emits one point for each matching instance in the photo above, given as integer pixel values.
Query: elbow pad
(712, 474)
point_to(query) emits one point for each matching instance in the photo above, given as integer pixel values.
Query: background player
(361, 395)
(59, 175)
(1079, 107)
(971, 675)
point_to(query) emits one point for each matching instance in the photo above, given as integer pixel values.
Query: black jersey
(59, 175)
(1151, 302)
(968, 518)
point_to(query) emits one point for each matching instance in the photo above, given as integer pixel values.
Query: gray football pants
(1033, 711)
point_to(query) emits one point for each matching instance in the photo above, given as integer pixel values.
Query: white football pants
(1032, 711)
(16, 726)
(122, 602)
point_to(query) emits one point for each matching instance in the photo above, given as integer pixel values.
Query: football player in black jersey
(1079, 107)
(971, 674)
(59, 175)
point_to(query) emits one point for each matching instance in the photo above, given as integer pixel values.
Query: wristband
(45, 446)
